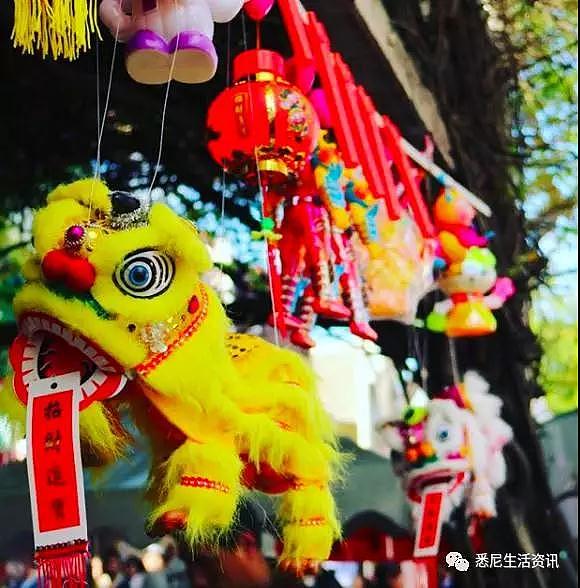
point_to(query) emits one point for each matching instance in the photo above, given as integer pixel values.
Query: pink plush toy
(165, 33)
(454, 218)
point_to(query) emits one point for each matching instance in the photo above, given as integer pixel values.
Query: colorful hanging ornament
(168, 40)
(474, 290)
(319, 265)
(451, 451)
(262, 125)
(60, 28)
(306, 253)
(223, 411)
(454, 217)
(401, 272)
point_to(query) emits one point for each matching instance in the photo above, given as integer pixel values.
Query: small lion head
(109, 281)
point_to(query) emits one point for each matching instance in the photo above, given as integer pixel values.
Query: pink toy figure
(454, 218)
(165, 33)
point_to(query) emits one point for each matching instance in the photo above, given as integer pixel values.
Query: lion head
(111, 282)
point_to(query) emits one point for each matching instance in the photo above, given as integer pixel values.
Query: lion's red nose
(73, 271)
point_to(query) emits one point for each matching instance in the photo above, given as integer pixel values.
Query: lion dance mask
(114, 316)
(450, 452)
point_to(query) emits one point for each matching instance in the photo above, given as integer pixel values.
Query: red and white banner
(55, 476)
(430, 521)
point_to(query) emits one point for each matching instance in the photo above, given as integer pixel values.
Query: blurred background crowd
(164, 565)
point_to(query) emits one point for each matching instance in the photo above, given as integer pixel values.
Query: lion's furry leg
(201, 481)
(309, 523)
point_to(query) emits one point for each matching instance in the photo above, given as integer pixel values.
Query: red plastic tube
(295, 25)
(392, 141)
(366, 155)
(369, 116)
(325, 68)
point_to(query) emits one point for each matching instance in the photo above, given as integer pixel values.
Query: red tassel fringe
(63, 565)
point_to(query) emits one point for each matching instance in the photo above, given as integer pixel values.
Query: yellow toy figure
(364, 211)
(113, 294)
(330, 181)
(474, 290)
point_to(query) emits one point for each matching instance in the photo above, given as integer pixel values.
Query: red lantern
(262, 123)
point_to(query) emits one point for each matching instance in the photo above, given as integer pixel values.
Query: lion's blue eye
(145, 274)
(139, 275)
(443, 434)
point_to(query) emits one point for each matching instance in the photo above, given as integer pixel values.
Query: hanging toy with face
(168, 39)
(454, 217)
(114, 313)
(474, 290)
(450, 452)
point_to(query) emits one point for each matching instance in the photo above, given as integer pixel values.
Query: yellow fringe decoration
(304, 545)
(310, 525)
(61, 28)
(12, 411)
(210, 512)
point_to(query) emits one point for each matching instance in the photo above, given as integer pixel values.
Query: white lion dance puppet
(451, 451)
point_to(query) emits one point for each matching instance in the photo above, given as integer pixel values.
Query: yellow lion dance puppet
(113, 291)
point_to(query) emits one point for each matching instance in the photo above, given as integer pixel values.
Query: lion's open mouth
(45, 348)
(421, 482)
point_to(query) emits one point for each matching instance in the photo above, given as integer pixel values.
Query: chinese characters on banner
(54, 462)
(430, 521)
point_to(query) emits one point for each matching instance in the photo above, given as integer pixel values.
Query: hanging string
(454, 364)
(101, 120)
(98, 84)
(424, 370)
(421, 355)
(262, 202)
(163, 116)
(221, 226)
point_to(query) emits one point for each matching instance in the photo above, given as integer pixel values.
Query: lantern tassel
(62, 28)
(63, 564)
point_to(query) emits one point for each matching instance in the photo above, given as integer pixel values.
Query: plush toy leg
(190, 27)
(305, 231)
(148, 60)
(200, 489)
(292, 261)
(301, 336)
(318, 254)
(289, 286)
(310, 525)
(352, 290)
(195, 57)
